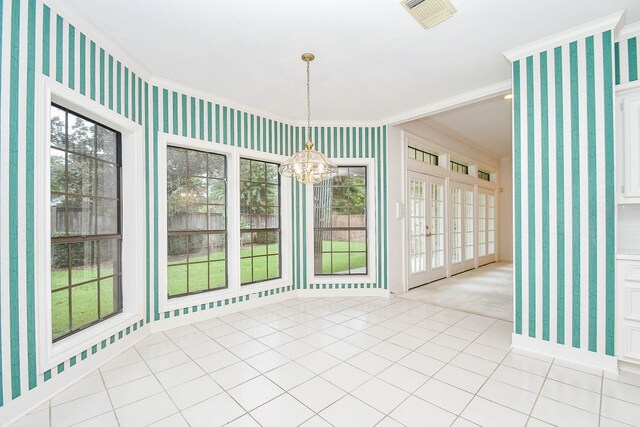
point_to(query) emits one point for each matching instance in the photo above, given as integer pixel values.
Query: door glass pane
(490, 224)
(468, 223)
(417, 219)
(482, 224)
(437, 226)
(456, 225)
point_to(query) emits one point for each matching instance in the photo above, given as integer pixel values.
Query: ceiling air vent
(429, 12)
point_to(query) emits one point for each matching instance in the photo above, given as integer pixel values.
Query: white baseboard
(21, 406)
(174, 322)
(15, 409)
(198, 316)
(629, 367)
(324, 293)
(567, 353)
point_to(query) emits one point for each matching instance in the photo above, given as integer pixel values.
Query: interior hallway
(487, 291)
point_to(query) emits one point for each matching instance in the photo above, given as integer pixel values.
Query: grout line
(535, 402)
(322, 303)
(113, 409)
(601, 399)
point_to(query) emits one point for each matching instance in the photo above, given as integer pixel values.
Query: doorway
(462, 221)
(427, 239)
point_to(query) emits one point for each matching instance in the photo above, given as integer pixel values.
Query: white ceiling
(373, 60)
(486, 123)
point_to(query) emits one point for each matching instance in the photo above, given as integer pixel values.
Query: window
(468, 226)
(456, 224)
(491, 218)
(259, 221)
(486, 176)
(459, 167)
(482, 224)
(340, 223)
(486, 223)
(86, 236)
(196, 221)
(423, 156)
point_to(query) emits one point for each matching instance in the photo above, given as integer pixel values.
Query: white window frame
(234, 288)
(133, 216)
(372, 229)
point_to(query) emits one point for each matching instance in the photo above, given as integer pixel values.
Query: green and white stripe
(627, 60)
(564, 194)
(36, 40)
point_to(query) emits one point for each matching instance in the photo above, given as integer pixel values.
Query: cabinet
(628, 308)
(628, 147)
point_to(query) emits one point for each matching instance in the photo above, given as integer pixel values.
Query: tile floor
(487, 291)
(342, 362)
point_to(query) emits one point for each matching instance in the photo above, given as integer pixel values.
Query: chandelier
(308, 166)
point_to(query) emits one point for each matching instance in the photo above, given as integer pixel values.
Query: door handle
(428, 234)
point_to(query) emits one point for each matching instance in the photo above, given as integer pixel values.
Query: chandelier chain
(308, 102)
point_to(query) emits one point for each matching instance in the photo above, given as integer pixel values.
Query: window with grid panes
(86, 229)
(196, 221)
(340, 223)
(459, 167)
(259, 221)
(423, 156)
(486, 176)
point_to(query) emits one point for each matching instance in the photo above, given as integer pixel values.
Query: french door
(461, 227)
(427, 237)
(486, 226)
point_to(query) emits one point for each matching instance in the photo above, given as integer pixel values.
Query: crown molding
(93, 33)
(609, 22)
(164, 83)
(460, 100)
(338, 123)
(630, 30)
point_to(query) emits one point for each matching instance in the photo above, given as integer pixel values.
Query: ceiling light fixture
(308, 166)
(508, 97)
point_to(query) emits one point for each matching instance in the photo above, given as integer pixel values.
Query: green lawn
(85, 297)
(341, 257)
(198, 270)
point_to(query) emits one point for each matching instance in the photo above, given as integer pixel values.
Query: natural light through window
(340, 223)
(196, 221)
(259, 221)
(85, 166)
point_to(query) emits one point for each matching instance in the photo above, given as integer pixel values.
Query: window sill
(73, 345)
(264, 286)
(326, 280)
(218, 295)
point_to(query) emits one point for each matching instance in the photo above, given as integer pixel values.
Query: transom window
(486, 176)
(196, 221)
(86, 229)
(259, 221)
(459, 167)
(340, 223)
(423, 156)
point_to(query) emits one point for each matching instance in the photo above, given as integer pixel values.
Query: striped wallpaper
(36, 40)
(563, 113)
(627, 61)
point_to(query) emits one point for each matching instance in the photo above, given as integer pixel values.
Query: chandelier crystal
(308, 166)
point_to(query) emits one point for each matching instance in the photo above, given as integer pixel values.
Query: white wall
(396, 195)
(505, 210)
